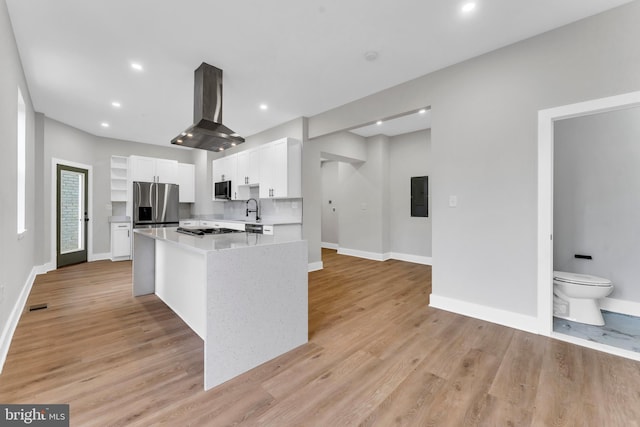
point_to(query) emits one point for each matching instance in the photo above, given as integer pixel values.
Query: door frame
(546, 119)
(81, 255)
(54, 214)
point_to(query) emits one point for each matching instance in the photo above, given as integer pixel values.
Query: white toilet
(575, 297)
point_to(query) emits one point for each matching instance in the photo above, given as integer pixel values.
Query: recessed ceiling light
(221, 149)
(422, 111)
(233, 144)
(116, 104)
(104, 124)
(468, 7)
(136, 66)
(179, 141)
(264, 107)
(190, 135)
(379, 122)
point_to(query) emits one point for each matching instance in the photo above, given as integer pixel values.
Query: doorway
(546, 120)
(72, 215)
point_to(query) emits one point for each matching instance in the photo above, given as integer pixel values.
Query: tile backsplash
(270, 209)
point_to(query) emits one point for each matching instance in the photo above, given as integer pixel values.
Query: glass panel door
(71, 215)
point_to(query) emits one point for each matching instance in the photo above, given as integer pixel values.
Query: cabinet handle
(128, 235)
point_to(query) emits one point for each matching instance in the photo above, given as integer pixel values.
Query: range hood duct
(208, 132)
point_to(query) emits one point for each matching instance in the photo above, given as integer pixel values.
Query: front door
(72, 218)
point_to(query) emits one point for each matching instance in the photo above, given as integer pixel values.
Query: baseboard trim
(45, 268)
(12, 323)
(489, 314)
(596, 346)
(363, 254)
(315, 266)
(328, 245)
(631, 308)
(99, 257)
(416, 259)
(375, 256)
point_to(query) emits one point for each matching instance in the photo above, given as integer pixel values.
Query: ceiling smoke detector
(371, 55)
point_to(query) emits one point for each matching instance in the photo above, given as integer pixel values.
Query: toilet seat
(581, 279)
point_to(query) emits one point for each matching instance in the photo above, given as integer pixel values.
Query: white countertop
(211, 242)
(267, 221)
(119, 219)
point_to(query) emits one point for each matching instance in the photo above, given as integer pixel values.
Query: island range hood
(208, 132)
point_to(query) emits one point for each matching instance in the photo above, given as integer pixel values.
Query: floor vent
(38, 307)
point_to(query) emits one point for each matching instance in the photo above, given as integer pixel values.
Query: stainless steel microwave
(222, 190)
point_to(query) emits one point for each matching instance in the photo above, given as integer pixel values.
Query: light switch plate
(453, 201)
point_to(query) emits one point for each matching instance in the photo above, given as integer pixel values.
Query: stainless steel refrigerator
(155, 205)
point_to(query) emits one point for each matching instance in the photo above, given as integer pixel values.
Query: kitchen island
(244, 294)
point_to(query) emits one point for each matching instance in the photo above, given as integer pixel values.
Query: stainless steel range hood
(208, 132)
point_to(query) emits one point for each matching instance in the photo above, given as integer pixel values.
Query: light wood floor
(377, 355)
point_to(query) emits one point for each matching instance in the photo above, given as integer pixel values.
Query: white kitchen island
(244, 294)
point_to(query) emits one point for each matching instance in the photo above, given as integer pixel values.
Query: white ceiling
(299, 57)
(417, 120)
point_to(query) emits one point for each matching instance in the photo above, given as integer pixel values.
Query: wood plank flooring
(377, 356)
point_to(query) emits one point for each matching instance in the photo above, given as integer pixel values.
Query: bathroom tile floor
(620, 330)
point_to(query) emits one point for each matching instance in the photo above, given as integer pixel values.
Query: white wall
(597, 198)
(18, 254)
(484, 145)
(385, 227)
(64, 142)
(409, 156)
(330, 207)
(364, 211)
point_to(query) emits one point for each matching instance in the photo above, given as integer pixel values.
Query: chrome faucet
(253, 210)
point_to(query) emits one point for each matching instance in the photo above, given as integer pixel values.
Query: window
(22, 163)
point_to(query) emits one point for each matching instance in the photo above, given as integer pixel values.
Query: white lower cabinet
(120, 241)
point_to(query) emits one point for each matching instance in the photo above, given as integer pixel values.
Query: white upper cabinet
(167, 171)
(275, 167)
(224, 169)
(248, 167)
(149, 169)
(142, 168)
(281, 169)
(186, 181)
